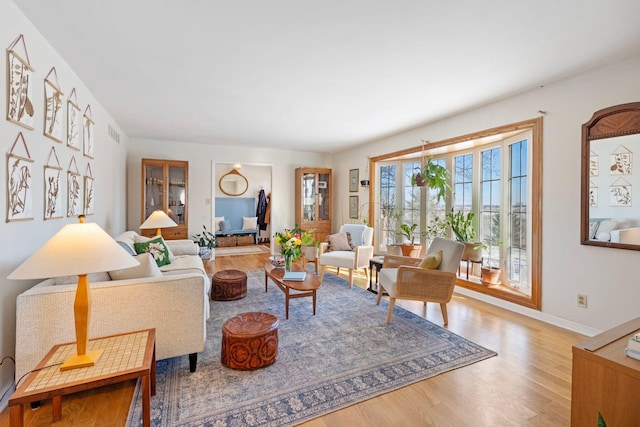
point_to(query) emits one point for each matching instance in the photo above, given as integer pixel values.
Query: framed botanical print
(353, 207)
(52, 194)
(353, 180)
(87, 134)
(53, 106)
(73, 122)
(74, 193)
(19, 197)
(20, 109)
(88, 192)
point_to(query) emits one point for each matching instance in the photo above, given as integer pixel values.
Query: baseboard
(535, 314)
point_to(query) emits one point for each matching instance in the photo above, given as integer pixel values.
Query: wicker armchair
(401, 277)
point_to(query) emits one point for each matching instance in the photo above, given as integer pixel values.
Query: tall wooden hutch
(313, 200)
(165, 185)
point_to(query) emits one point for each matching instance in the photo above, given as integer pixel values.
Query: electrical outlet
(582, 301)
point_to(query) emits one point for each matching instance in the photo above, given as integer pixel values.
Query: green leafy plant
(407, 230)
(434, 176)
(206, 239)
(307, 237)
(436, 228)
(461, 225)
(601, 422)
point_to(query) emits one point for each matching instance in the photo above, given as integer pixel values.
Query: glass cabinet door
(153, 189)
(323, 197)
(309, 196)
(177, 194)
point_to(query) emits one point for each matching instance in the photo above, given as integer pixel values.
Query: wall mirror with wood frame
(233, 183)
(610, 182)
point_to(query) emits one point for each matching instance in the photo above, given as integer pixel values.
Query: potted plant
(309, 244)
(490, 271)
(436, 228)
(462, 227)
(207, 241)
(409, 249)
(434, 176)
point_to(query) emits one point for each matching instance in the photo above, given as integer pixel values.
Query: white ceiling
(321, 75)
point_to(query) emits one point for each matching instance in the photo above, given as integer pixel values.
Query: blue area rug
(343, 355)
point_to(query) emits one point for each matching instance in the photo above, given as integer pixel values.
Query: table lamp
(78, 249)
(158, 220)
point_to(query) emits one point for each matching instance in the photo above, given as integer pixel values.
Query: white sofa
(175, 303)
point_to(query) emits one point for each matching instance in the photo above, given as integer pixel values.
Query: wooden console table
(605, 380)
(125, 357)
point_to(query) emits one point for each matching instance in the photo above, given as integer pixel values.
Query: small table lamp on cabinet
(77, 249)
(158, 220)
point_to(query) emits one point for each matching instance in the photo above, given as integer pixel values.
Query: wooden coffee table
(306, 288)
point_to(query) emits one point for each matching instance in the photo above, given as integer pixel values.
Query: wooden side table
(125, 357)
(605, 380)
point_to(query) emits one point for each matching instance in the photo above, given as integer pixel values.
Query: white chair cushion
(343, 259)
(387, 278)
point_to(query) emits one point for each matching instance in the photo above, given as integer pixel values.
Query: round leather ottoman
(249, 341)
(228, 285)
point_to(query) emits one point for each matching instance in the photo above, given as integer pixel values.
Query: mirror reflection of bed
(611, 179)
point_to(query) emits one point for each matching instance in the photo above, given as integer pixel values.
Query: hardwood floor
(527, 384)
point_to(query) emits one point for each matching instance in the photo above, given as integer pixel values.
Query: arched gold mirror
(611, 178)
(233, 183)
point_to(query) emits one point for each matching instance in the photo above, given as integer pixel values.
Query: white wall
(18, 240)
(606, 276)
(203, 181)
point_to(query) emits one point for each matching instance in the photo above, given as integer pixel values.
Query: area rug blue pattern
(345, 354)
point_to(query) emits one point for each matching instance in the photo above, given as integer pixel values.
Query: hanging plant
(434, 176)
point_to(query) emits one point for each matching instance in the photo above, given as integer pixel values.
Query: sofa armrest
(182, 247)
(363, 255)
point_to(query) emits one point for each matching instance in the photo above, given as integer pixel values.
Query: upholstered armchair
(344, 257)
(401, 277)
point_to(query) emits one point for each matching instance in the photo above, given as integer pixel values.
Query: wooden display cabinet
(313, 201)
(165, 185)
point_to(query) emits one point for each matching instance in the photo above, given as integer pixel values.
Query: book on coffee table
(295, 276)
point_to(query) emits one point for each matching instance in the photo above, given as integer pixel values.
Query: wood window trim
(476, 139)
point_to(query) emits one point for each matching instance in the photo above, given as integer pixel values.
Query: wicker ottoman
(249, 341)
(228, 285)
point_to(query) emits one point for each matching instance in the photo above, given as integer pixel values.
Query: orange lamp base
(81, 361)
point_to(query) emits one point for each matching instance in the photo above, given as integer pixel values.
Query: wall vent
(114, 134)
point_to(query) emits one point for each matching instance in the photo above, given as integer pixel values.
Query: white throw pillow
(249, 223)
(147, 268)
(142, 239)
(216, 223)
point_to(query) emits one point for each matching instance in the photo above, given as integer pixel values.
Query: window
(494, 174)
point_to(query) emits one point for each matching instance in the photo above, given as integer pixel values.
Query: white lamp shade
(79, 248)
(158, 219)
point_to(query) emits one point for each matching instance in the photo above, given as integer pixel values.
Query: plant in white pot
(207, 242)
